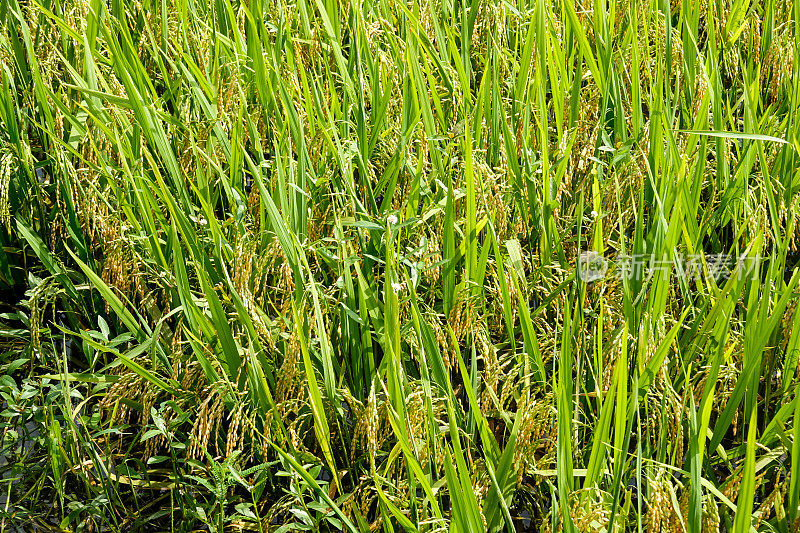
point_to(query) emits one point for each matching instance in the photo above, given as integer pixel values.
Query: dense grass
(315, 265)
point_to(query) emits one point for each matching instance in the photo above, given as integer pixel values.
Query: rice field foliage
(315, 265)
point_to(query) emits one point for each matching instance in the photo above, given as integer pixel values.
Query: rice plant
(421, 266)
